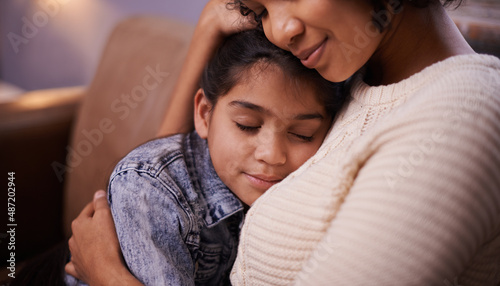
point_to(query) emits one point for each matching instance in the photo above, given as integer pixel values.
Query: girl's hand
(95, 251)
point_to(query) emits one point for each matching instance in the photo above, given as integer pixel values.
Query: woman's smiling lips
(262, 181)
(311, 57)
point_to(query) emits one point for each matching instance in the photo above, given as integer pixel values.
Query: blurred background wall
(56, 43)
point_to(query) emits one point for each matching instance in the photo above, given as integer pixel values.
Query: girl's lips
(312, 60)
(262, 182)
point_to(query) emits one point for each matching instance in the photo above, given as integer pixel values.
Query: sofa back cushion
(124, 105)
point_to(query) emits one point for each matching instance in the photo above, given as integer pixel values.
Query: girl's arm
(152, 224)
(95, 251)
(217, 21)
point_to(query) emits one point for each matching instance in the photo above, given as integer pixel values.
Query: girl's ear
(202, 111)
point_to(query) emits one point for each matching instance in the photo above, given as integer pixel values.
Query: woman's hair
(243, 51)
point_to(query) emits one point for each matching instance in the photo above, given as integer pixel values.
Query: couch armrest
(34, 133)
(39, 108)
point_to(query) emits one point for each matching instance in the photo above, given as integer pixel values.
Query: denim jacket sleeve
(152, 226)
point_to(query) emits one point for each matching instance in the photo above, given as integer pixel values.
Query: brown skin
(417, 39)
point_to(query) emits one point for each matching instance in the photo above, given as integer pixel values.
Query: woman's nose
(284, 29)
(270, 149)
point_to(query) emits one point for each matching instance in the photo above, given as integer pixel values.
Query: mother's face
(335, 37)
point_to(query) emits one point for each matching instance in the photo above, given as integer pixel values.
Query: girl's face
(261, 131)
(335, 37)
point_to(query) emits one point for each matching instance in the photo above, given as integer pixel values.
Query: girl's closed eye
(302, 137)
(305, 131)
(247, 128)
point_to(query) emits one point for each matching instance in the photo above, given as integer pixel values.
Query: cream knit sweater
(404, 191)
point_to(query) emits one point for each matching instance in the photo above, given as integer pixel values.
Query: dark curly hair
(244, 50)
(378, 5)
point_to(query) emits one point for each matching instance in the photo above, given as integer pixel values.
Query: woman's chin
(333, 75)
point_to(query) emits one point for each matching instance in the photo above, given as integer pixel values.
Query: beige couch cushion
(124, 104)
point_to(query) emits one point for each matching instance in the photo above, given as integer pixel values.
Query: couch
(63, 143)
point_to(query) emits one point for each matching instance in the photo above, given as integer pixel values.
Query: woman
(404, 189)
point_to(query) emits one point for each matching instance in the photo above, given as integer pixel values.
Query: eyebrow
(258, 108)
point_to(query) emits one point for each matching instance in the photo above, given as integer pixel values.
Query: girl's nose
(270, 149)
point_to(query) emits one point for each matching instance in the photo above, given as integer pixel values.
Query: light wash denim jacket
(177, 223)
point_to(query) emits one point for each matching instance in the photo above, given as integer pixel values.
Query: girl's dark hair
(242, 51)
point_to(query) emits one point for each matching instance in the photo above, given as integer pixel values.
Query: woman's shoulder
(455, 77)
(468, 84)
(469, 73)
(459, 96)
(462, 89)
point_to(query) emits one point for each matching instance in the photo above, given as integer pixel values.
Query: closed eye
(247, 128)
(302, 137)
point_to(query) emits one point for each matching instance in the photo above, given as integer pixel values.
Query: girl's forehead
(268, 70)
(282, 78)
(278, 82)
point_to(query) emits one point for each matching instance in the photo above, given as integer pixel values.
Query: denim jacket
(177, 223)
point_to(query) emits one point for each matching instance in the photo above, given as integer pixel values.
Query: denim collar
(220, 201)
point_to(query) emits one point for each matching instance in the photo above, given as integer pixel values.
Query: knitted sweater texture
(405, 190)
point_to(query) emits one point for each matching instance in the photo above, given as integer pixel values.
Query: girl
(404, 190)
(177, 202)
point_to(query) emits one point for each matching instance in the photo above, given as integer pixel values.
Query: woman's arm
(216, 22)
(95, 251)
